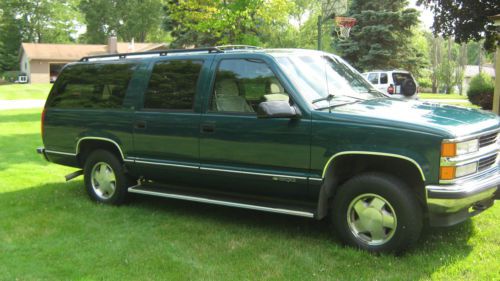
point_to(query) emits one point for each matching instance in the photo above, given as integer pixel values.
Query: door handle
(208, 128)
(140, 125)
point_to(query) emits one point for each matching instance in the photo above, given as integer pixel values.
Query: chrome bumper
(451, 204)
(41, 151)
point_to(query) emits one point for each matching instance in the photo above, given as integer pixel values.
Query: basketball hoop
(343, 26)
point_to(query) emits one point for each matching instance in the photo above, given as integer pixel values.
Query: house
(496, 96)
(43, 62)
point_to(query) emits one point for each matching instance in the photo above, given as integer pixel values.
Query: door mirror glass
(276, 109)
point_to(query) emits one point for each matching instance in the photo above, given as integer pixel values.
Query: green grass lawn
(441, 96)
(24, 91)
(49, 230)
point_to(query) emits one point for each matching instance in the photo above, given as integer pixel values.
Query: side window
(92, 86)
(241, 84)
(373, 78)
(173, 85)
(383, 78)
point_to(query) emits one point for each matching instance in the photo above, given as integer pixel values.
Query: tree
(381, 36)
(203, 22)
(38, 21)
(127, 19)
(465, 19)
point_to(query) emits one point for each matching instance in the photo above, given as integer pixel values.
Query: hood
(454, 120)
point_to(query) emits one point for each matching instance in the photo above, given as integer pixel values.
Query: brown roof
(73, 52)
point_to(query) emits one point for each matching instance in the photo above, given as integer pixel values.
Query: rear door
(166, 127)
(242, 154)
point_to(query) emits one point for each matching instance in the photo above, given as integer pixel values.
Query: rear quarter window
(92, 86)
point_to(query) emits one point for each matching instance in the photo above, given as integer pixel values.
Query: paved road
(20, 104)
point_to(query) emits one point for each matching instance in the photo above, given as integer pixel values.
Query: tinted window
(373, 78)
(399, 77)
(92, 86)
(383, 78)
(241, 84)
(173, 85)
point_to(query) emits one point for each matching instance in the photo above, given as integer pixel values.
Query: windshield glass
(317, 76)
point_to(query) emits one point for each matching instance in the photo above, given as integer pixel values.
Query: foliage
(381, 37)
(194, 22)
(39, 21)
(465, 19)
(481, 89)
(127, 19)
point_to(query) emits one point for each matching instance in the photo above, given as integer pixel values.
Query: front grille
(488, 139)
(486, 163)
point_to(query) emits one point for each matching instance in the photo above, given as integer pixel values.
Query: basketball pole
(320, 39)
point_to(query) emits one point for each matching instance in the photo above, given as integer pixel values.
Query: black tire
(408, 88)
(103, 162)
(366, 191)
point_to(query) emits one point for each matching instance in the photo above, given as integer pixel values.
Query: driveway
(20, 104)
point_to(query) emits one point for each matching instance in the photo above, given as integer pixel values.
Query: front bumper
(452, 204)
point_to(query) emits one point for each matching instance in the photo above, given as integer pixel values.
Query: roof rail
(237, 47)
(152, 53)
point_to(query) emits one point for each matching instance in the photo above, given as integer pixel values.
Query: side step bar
(140, 189)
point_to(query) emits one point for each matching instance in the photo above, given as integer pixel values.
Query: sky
(426, 16)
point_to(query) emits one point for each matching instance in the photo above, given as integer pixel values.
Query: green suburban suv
(288, 131)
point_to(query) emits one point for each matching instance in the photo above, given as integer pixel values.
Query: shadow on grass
(145, 214)
(23, 117)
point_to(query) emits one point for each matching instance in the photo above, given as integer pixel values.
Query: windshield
(317, 76)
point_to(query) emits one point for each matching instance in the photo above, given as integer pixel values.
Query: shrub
(481, 90)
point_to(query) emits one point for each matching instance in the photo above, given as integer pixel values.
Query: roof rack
(237, 47)
(152, 53)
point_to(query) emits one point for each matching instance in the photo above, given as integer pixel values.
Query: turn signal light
(448, 149)
(447, 173)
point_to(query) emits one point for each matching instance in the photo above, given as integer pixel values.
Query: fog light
(465, 170)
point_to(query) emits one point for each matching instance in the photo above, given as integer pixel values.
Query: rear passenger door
(166, 128)
(243, 154)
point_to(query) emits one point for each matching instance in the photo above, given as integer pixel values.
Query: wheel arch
(87, 144)
(344, 165)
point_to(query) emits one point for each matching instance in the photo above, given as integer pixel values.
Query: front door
(243, 154)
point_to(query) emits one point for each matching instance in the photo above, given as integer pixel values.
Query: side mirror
(276, 109)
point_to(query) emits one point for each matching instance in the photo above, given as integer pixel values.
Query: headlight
(451, 149)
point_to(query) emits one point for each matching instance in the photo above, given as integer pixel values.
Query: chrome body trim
(376, 154)
(59, 152)
(252, 173)
(98, 138)
(140, 161)
(453, 198)
(473, 136)
(316, 179)
(222, 202)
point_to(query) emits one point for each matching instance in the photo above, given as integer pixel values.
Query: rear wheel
(105, 180)
(377, 212)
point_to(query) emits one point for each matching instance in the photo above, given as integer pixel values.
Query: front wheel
(377, 212)
(105, 180)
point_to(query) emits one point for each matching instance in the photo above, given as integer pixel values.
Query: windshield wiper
(328, 98)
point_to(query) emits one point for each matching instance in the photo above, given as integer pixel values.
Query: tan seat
(275, 92)
(228, 99)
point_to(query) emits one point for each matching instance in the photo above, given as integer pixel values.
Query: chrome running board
(140, 189)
